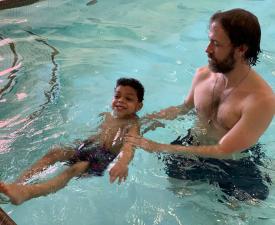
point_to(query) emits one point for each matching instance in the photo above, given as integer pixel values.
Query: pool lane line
(52, 94)
(13, 69)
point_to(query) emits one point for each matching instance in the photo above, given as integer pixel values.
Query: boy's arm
(120, 169)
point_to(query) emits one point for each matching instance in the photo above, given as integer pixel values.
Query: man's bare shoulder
(203, 70)
(202, 73)
(259, 88)
(264, 101)
(260, 94)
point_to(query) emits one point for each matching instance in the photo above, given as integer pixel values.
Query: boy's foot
(16, 192)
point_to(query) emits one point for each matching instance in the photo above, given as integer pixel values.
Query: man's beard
(224, 66)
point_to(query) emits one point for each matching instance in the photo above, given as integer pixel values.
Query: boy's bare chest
(112, 134)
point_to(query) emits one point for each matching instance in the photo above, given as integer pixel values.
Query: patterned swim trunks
(99, 157)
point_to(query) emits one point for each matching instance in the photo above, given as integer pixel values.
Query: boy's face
(125, 102)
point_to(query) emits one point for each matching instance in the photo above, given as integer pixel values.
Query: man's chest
(224, 110)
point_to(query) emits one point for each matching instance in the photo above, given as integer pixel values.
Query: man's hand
(118, 171)
(141, 142)
(151, 125)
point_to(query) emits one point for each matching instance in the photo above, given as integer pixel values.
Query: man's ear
(242, 49)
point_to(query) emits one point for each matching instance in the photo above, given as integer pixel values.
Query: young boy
(94, 154)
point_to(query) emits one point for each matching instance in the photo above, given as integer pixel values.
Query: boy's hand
(120, 171)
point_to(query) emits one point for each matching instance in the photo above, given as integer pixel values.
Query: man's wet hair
(242, 28)
(134, 83)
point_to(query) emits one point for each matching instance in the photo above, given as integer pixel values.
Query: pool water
(66, 56)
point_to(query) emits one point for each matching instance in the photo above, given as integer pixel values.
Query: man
(234, 106)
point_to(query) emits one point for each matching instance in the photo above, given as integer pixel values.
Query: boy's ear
(140, 105)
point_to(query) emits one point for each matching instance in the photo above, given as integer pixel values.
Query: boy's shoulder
(104, 114)
(108, 117)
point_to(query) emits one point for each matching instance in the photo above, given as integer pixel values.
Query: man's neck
(235, 76)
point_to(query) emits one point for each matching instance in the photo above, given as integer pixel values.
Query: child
(94, 154)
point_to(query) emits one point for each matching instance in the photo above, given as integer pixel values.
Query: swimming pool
(71, 54)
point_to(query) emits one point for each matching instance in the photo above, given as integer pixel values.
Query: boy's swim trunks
(98, 157)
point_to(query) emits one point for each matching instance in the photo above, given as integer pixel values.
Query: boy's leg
(54, 155)
(19, 193)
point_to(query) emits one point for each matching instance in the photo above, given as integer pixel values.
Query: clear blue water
(71, 55)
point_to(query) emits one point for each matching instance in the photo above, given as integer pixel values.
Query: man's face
(221, 54)
(223, 65)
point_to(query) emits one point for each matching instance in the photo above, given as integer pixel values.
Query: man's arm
(254, 121)
(120, 168)
(150, 121)
(173, 112)
(170, 113)
(257, 114)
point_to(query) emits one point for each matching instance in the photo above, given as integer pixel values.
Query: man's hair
(242, 27)
(124, 81)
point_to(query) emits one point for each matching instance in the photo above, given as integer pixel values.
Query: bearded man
(234, 106)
